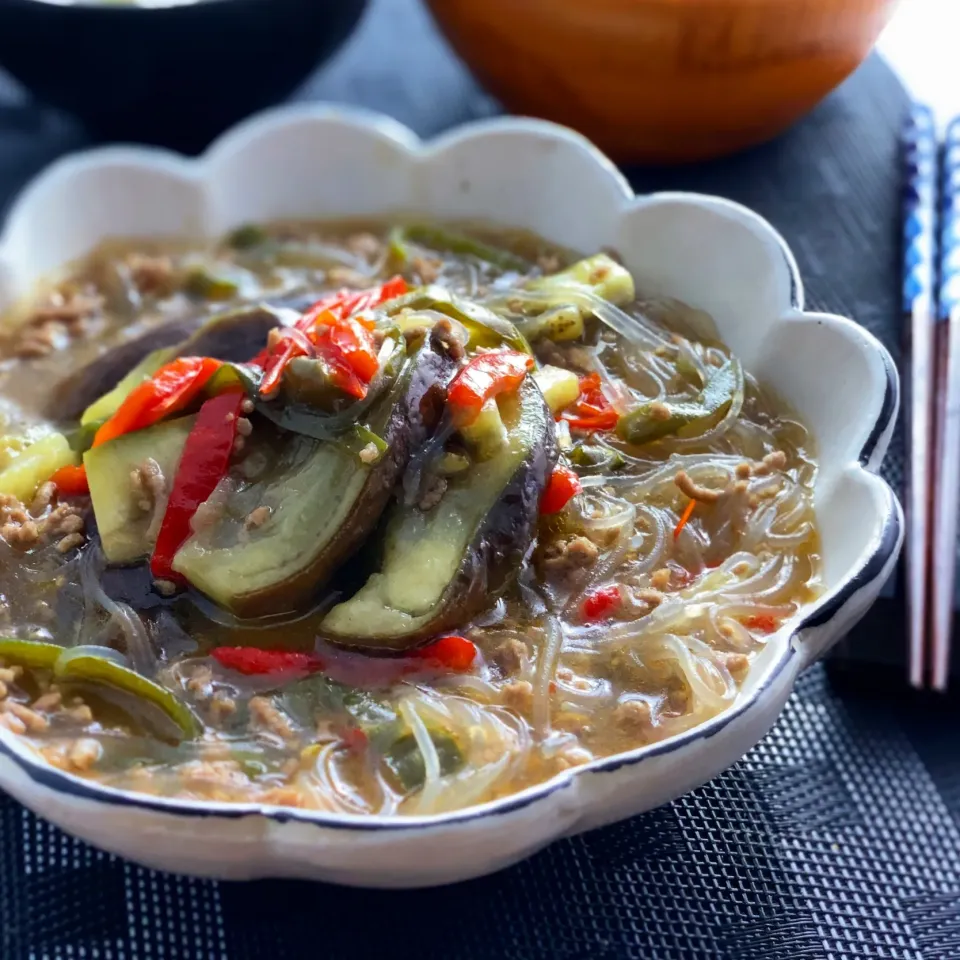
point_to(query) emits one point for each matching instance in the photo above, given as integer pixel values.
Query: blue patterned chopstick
(919, 277)
(946, 470)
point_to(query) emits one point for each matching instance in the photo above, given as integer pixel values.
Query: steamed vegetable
(35, 464)
(559, 387)
(601, 274)
(318, 503)
(128, 530)
(440, 566)
(651, 421)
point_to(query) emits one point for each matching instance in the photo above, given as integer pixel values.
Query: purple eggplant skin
(234, 337)
(499, 546)
(404, 419)
(85, 386)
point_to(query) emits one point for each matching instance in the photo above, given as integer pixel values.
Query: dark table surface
(837, 836)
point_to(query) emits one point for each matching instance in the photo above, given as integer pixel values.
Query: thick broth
(636, 616)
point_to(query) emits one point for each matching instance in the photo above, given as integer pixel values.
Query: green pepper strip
(30, 653)
(711, 404)
(99, 670)
(450, 241)
(484, 327)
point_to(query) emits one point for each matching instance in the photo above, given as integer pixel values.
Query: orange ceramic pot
(663, 80)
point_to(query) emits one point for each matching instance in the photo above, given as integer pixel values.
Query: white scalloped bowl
(712, 254)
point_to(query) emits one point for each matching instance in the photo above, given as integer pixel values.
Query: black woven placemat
(838, 836)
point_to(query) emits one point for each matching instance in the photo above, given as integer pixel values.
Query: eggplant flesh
(322, 499)
(442, 566)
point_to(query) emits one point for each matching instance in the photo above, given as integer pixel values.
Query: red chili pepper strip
(203, 464)
(355, 343)
(339, 370)
(452, 653)
(563, 486)
(592, 411)
(72, 481)
(170, 389)
(291, 343)
(600, 603)
(684, 517)
(485, 376)
(253, 661)
(343, 303)
(762, 623)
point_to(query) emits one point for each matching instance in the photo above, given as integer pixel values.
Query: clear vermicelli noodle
(380, 519)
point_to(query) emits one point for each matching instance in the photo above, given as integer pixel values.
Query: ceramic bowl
(664, 80)
(317, 162)
(170, 72)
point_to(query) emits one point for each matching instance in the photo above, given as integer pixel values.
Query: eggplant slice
(442, 566)
(322, 499)
(235, 336)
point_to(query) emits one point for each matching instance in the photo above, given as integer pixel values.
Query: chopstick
(919, 257)
(946, 473)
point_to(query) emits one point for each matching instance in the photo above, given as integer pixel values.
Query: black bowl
(176, 75)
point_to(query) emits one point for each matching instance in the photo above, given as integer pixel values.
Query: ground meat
(660, 579)
(264, 712)
(693, 490)
(257, 518)
(573, 757)
(448, 337)
(770, 463)
(206, 515)
(33, 721)
(84, 754)
(200, 682)
(148, 484)
(738, 664)
(548, 262)
(151, 275)
(563, 557)
(49, 701)
(347, 277)
(649, 596)
(166, 588)
(364, 244)
(222, 705)
(9, 675)
(369, 453)
(428, 268)
(632, 716)
(518, 695)
(51, 326)
(43, 498)
(282, 797)
(659, 411)
(13, 723)
(415, 334)
(510, 655)
(436, 488)
(62, 522)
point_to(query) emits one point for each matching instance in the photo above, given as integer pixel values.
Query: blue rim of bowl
(873, 567)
